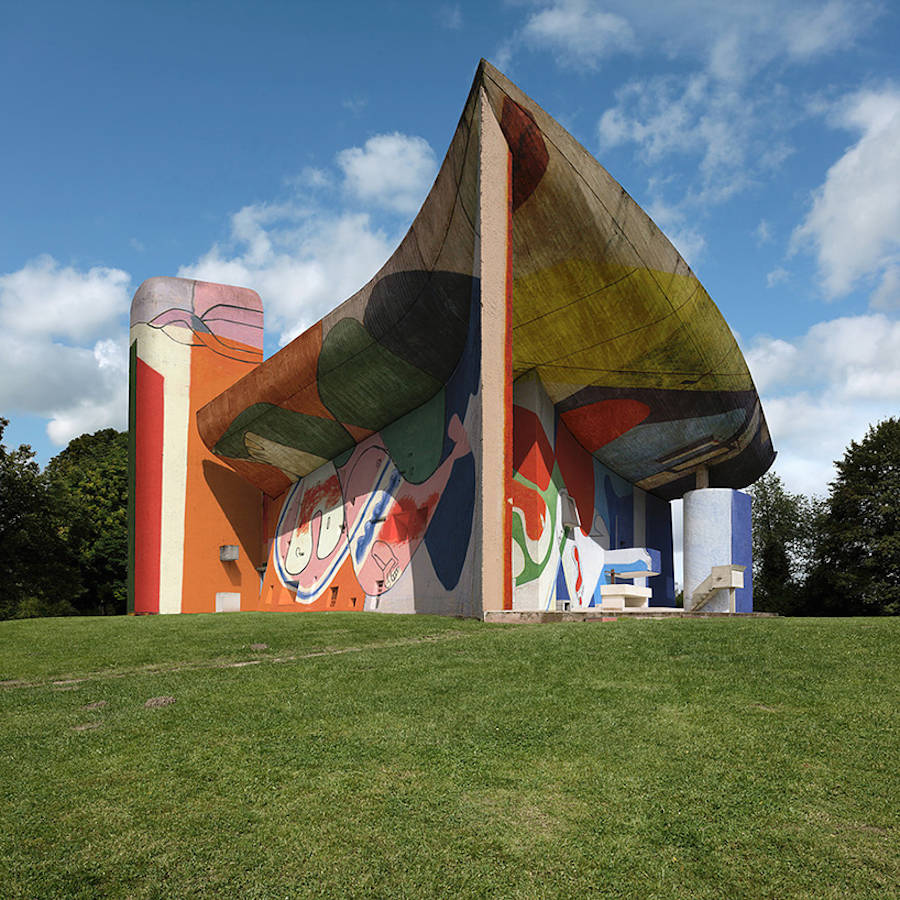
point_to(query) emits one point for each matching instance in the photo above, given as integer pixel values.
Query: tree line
(64, 532)
(837, 555)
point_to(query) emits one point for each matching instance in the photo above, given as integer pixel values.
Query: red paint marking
(407, 520)
(148, 441)
(532, 506)
(529, 156)
(327, 492)
(577, 468)
(508, 390)
(597, 424)
(532, 453)
(579, 581)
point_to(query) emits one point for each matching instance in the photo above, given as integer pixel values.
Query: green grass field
(366, 755)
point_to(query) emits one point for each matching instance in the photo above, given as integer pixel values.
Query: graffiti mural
(388, 523)
(559, 564)
(363, 512)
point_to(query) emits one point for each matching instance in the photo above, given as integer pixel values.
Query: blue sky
(286, 147)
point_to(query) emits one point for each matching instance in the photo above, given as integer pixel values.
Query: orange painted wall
(344, 591)
(221, 507)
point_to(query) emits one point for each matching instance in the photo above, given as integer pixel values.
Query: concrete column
(496, 362)
(717, 533)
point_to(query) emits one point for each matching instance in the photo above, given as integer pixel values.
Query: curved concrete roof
(634, 354)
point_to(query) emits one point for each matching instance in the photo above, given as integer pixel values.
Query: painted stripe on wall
(132, 445)
(508, 399)
(148, 428)
(174, 486)
(742, 548)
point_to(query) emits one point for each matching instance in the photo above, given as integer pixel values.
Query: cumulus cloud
(44, 298)
(732, 40)
(579, 32)
(301, 261)
(63, 330)
(823, 389)
(702, 118)
(853, 226)
(63, 342)
(391, 171)
(302, 258)
(887, 294)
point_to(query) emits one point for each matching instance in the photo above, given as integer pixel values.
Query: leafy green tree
(37, 573)
(785, 535)
(89, 481)
(858, 567)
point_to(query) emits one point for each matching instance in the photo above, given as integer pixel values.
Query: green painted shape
(363, 383)
(343, 458)
(132, 456)
(533, 569)
(415, 441)
(312, 434)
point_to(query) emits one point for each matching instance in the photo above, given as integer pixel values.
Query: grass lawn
(371, 755)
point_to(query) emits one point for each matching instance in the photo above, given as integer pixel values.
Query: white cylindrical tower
(717, 533)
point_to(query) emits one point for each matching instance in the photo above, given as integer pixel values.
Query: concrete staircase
(721, 578)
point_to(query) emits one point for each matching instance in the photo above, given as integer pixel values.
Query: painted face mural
(363, 512)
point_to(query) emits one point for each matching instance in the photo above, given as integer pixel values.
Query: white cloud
(450, 17)
(778, 275)
(811, 31)
(732, 40)
(90, 413)
(301, 261)
(502, 56)
(697, 117)
(824, 389)
(722, 102)
(64, 346)
(887, 294)
(392, 171)
(579, 32)
(854, 224)
(63, 332)
(304, 260)
(355, 104)
(46, 299)
(763, 232)
(311, 177)
(689, 242)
